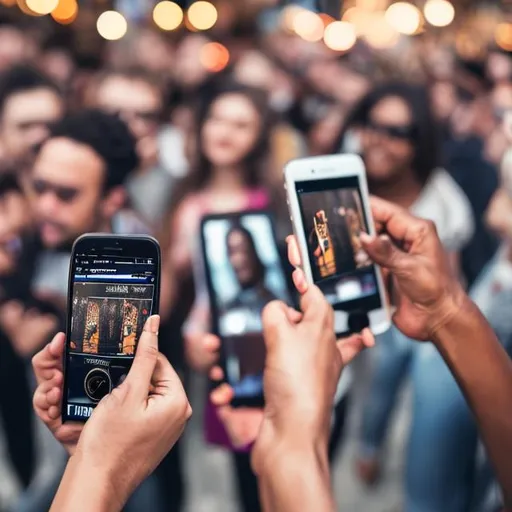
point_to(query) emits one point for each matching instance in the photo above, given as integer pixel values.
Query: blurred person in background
(464, 158)
(138, 98)
(16, 418)
(256, 70)
(398, 139)
(29, 103)
(230, 173)
(15, 46)
(77, 186)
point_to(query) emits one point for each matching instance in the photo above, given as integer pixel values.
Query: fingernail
(152, 324)
(365, 237)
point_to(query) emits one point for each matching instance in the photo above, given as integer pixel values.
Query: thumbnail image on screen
(333, 218)
(246, 274)
(107, 319)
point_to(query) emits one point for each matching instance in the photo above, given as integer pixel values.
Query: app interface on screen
(246, 273)
(112, 298)
(333, 218)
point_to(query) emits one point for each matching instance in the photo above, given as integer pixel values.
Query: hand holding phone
(329, 206)
(113, 289)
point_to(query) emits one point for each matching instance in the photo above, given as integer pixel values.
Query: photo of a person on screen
(249, 271)
(242, 314)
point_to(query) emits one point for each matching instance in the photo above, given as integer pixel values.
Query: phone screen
(244, 272)
(333, 217)
(111, 297)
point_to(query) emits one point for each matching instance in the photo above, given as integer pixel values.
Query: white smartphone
(329, 207)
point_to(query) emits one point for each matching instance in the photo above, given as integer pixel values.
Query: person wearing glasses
(397, 137)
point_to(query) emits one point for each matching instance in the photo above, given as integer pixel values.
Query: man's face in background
(25, 119)
(68, 198)
(139, 104)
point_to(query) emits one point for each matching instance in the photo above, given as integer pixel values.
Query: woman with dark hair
(232, 172)
(394, 130)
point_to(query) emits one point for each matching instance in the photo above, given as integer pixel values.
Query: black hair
(259, 267)
(24, 78)
(108, 136)
(9, 183)
(426, 129)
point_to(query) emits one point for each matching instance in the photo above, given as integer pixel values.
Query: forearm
(84, 488)
(483, 370)
(297, 480)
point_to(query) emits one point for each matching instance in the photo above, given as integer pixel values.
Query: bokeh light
(66, 12)
(202, 15)
(42, 6)
(214, 57)
(326, 19)
(111, 25)
(288, 17)
(167, 15)
(24, 8)
(309, 26)
(378, 33)
(503, 36)
(404, 17)
(439, 13)
(359, 18)
(8, 3)
(340, 36)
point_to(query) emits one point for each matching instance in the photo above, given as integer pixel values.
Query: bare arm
(297, 478)
(84, 488)
(483, 370)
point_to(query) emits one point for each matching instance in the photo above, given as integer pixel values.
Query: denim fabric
(442, 473)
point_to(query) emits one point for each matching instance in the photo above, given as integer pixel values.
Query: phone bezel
(332, 167)
(143, 246)
(254, 401)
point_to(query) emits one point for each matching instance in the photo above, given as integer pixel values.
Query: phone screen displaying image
(333, 217)
(245, 273)
(111, 297)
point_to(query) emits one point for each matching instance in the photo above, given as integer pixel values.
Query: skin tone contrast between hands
(303, 366)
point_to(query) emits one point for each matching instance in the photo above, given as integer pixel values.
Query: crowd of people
(148, 138)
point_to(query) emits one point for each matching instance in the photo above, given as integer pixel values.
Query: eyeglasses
(63, 194)
(404, 132)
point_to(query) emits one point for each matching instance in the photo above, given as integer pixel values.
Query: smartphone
(244, 271)
(329, 207)
(114, 286)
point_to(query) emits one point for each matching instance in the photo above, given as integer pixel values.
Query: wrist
(270, 456)
(448, 312)
(459, 312)
(109, 486)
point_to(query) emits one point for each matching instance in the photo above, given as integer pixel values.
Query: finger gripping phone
(114, 286)
(329, 207)
(244, 271)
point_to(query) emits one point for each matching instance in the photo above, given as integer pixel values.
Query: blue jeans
(442, 444)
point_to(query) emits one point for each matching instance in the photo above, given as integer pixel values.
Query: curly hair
(108, 136)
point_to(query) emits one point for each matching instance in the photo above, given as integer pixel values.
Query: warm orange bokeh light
(214, 57)
(65, 12)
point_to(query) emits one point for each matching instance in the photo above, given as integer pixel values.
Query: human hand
(350, 346)
(27, 329)
(48, 370)
(428, 294)
(136, 425)
(302, 370)
(201, 350)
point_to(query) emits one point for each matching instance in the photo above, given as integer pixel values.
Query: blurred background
(422, 89)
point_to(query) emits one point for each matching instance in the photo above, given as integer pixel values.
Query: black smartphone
(114, 286)
(244, 271)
